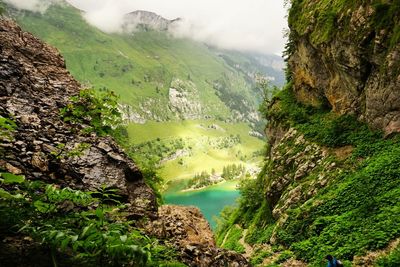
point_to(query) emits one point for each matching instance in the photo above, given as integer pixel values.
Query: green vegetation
(391, 260)
(233, 171)
(319, 124)
(197, 144)
(259, 256)
(151, 153)
(232, 239)
(98, 111)
(326, 15)
(356, 213)
(77, 228)
(203, 179)
(142, 67)
(200, 180)
(7, 126)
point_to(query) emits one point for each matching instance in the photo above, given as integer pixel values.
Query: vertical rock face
(347, 55)
(34, 85)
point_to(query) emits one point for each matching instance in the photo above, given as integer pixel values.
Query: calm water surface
(210, 201)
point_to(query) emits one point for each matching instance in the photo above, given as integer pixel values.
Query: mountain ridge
(146, 20)
(143, 66)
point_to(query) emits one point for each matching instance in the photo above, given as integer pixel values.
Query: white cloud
(254, 25)
(32, 5)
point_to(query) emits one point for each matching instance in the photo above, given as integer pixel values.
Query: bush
(319, 124)
(357, 214)
(259, 256)
(391, 260)
(232, 240)
(87, 227)
(96, 112)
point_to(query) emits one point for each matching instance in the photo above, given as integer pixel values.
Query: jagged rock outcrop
(184, 100)
(349, 61)
(187, 230)
(145, 20)
(34, 86)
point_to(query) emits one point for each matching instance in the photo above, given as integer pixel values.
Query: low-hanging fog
(252, 25)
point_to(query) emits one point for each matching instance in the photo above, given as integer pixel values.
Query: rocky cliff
(330, 179)
(346, 54)
(34, 86)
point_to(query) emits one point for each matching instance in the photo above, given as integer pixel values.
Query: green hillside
(202, 147)
(218, 88)
(141, 67)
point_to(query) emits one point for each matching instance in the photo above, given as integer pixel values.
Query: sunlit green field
(200, 140)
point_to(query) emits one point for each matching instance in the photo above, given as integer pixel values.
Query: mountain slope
(331, 182)
(143, 66)
(161, 79)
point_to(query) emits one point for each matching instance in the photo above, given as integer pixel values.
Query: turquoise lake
(210, 201)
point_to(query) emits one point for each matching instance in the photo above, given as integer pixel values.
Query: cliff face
(34, 86)
(347, 55)
(330, 179)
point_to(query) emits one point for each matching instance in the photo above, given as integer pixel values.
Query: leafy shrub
(251, 193)
(232, 240)
(319, 124)
(353, 216)
(88, 227)
(284, 256)
(259, 255)
(97, 112)
(391, 260)
(7, 126)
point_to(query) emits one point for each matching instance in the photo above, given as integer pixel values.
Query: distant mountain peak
(146, 20)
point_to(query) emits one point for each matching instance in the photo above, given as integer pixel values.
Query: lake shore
(223, 186)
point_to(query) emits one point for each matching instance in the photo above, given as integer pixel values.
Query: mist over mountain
(145, 20)
(256, 26)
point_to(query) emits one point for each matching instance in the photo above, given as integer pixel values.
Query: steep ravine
(34, 85)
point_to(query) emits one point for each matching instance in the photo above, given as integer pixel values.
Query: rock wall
(34, 85)
(347, 55)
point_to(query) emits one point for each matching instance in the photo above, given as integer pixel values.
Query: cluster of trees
(233, 171)
(200, 180)
(229, 172)
(226, 142)
(150, 153)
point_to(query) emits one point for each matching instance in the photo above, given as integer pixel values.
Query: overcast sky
(255, 25)
(234, 24)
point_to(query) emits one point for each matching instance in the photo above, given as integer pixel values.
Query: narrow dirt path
(225, 237)
(371, 257)
(248, 249)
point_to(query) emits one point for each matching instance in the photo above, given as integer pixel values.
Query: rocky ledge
(186, 229)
